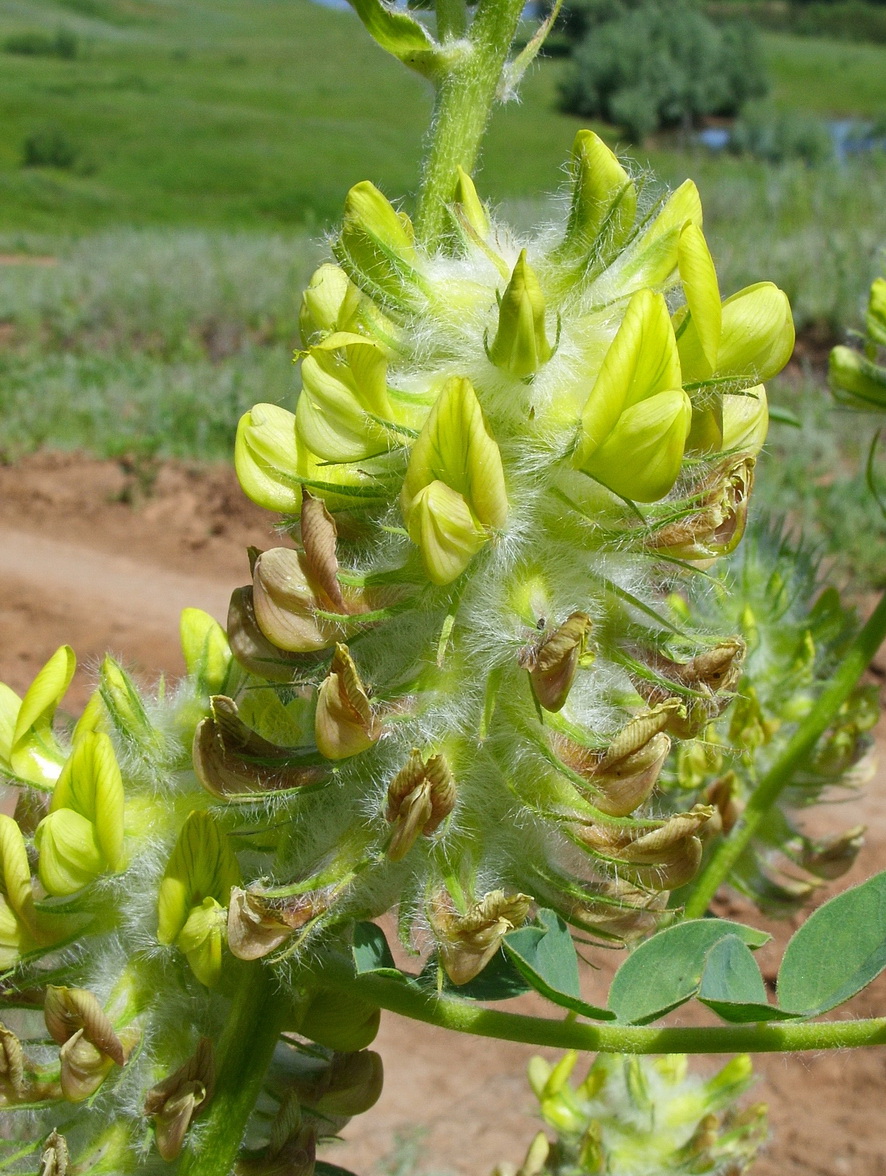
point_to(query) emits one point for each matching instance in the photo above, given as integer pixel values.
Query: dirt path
(79, 564)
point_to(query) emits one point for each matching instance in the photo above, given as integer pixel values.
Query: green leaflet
(839, 949)
(371, 952)
(666, 970)
(732, 985)
(545, 956)
(400, 35)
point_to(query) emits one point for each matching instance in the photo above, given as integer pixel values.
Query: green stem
(243, 1056)
(465, 1017)
(782, 772)
(452, 18)
(464, 103)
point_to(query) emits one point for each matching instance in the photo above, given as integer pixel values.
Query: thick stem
(243, 1056)
(782, 772)
(465, 1017)
(465, 97)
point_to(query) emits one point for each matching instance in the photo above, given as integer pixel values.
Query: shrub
(647, 65)
(49, 146)
(61, 44)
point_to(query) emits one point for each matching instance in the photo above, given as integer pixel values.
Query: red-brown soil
(87, 557)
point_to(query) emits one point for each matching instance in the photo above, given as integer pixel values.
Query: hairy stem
(466, 1017)
(243, 1057)
(465, 97)
(782, 772)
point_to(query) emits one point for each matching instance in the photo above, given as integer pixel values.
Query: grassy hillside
(827, 77)
(263, 112)
(224, 112)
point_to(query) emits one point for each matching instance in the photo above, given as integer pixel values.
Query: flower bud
(536, 1156)
(89, 1045)
(56, 1158)
(756, 338)
(340, 1022)
(13, 1076)
(34, 753)
(831, 857)
(651, 259)
(637, 417)
(456, 451)
(623, 775)
(443, 527)
(319, 538)
(173, 1102)
(350, 1084)
(376, 247)
(710, 675)
(850, 371)
(697, 761)
(721, 794)
(343, 409)
(206, 651)
(344, 724)
(469, 205)
(553, 663)
(329, 304)
(82, 837)
(127, 711)
(286, 602)
(521, 345)
(699, 279)
(604, 199)
(266, 458)
(875, 321)
(250, 646)
(671, 849)
(746, 421)
(16, 893)
(195, 888)
(258, 924)
(468, 942)
(420, 797)
(717, 524)
(232, 760)
(617, 910)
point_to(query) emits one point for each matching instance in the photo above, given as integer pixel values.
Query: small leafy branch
(485, 688)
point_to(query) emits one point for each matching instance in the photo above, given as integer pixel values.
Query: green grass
(820, 76)
(255, 113)
(148, 341)
(234, 112)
